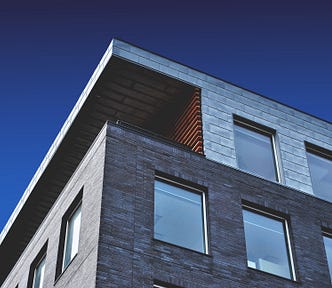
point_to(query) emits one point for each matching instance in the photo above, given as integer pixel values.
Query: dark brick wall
(123, 244)
(130, 257)
(81, 272)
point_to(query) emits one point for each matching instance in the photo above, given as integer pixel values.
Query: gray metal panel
(221, 99)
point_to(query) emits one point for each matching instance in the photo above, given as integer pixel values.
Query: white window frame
(327, 235)
(204, 210)
(42, 259)
(63, 266)
(286, 232)
(271, 133)
(319, 152)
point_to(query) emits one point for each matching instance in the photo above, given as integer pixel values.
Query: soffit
(124, 91)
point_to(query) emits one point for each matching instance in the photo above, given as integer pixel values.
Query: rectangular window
(37, 270)
(38, 277)
(255, 149)
(267, 243)
(179, 215)
(320, 166)
(69, 235)
(328, 249)
(72, 237)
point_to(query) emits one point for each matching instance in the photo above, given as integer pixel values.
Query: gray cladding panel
(292, 128)
(220, 100)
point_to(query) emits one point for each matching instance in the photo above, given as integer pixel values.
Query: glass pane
(254, 153)
(266, 244)
(328, 249)
(178, 216)
(39, 274)
(72, 237)
(321, 176)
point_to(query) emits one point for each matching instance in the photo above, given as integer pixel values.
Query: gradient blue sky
(49, 49)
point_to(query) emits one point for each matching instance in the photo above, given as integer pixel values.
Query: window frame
(74, 206)
(70, 217)
(41, 256)
(162, 284)
(190, 188)
(327, 234)
(287, 236)
(266, 131)
(42, 260)
(319, 152)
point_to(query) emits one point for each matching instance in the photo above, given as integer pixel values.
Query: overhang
(121, 88)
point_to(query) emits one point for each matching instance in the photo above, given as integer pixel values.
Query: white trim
(271, 133)
(42, 274)
(286, 234)
(203, 199)
(78, 206)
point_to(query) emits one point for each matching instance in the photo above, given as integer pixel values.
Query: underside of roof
(124, 91)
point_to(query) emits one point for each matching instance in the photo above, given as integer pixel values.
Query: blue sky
(49, 49)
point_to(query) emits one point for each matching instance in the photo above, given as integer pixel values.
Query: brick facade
(130, 257)
(115, 165)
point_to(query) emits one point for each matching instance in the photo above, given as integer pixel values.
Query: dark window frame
(284, 219)
(193, 188)
(319, 152)
(265, 131)
(40, 257)
(328, 234)
(63, 231)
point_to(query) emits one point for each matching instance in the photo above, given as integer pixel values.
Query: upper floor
(226, 123)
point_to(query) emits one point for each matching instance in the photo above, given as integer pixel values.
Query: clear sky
(49, 49)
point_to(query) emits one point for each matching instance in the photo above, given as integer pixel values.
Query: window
(37, 270)
(38, 277)
(328, 249)
(320, 165)
(72, 236)
(255, 149)
(69, 235)
(179, 215)
(267, 243)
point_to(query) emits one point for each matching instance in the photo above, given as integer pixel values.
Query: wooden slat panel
(187, 128)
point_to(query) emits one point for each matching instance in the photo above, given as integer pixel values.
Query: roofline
(223, 80)
(56, 143)
(139, 56)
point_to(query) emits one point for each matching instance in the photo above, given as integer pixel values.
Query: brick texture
(82, 270)
(130, 257)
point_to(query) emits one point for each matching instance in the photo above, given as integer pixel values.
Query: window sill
(253, 270)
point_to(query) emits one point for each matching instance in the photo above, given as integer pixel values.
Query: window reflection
(328, 249)
(38, 278)
(254, 152)
(72, 237)
(266, 244)
(321, 175)
(179, 216)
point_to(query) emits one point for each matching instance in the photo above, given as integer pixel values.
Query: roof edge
(143, 57)
(59, 138)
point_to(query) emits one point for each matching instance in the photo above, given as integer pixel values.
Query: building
(163, 176)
